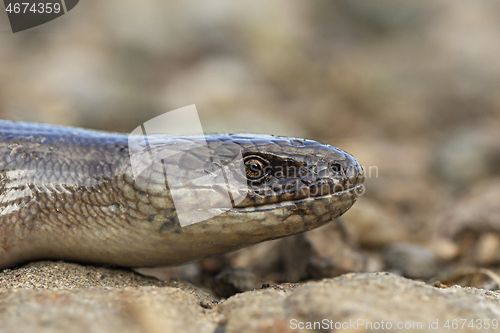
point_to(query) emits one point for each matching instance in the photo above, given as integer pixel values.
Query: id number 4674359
(35, 8)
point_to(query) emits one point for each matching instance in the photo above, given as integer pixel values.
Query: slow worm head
(75, 194)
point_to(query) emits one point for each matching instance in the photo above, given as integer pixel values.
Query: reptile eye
(255, 168)
(336, 167)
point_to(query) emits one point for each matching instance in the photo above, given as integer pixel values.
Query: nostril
(336, 167)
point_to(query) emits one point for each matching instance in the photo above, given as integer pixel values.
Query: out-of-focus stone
(328, 251)
(466, 157)
(445, 249)
(232, 281)
(334, 251)
(324, 252)
(413, 261)
(488, 249)
(473, 223)
(478, 210)
(373, 225)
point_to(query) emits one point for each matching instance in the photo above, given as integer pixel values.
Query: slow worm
(71, 194)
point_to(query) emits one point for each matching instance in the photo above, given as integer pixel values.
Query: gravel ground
(411, 89)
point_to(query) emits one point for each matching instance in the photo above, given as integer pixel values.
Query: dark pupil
(336, 167)
(254, 170)
(254, 166)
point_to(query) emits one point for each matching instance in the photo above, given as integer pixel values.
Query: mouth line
(289, 203)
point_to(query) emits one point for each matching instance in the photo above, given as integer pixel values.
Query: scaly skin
(70, 194)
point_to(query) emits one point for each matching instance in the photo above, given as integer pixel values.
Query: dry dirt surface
(62, 297)
(410, 88)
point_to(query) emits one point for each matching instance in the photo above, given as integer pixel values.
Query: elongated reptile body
(71, 194)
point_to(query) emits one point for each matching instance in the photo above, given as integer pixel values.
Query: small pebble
(412, 261)
(232, 281)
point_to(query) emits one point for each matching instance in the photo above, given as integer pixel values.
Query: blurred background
(411, 89)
